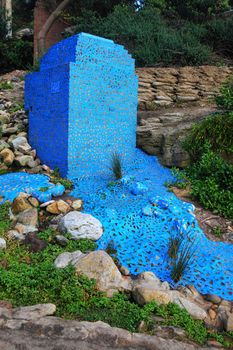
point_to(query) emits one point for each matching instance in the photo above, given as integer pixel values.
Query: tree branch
(48, 24)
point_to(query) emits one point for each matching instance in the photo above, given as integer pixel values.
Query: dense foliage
(165, 32)
(210, 146)
(156, 32)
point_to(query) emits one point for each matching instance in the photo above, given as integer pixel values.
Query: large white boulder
(81, 225)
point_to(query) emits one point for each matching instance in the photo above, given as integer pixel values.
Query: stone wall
(167, 86)
(170, 101)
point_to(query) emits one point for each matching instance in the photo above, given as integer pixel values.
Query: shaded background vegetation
(156, 32)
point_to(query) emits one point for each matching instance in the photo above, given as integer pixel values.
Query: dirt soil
(215, 227)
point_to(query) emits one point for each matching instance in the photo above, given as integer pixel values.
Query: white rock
(19, 141)
(81, 225)
(64, 259)
(2, 243)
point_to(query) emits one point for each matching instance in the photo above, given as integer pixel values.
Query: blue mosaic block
(82, 106)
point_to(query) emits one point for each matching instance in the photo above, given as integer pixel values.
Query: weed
(6, 85)
(116, 166)
(43, 189)
(217, 231)
(56, 178)
(182, 262)
(174, 244)
(17, 107)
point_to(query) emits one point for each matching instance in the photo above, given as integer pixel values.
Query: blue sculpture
(82, 106)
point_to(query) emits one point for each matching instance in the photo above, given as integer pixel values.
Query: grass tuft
(116, 166)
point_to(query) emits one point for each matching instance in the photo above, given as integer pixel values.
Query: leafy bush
(15, 54)
(210, 146)
(212, 183)
(225, 99)
(219, 36)
(214, 132)
(148, 36)
(199, 10)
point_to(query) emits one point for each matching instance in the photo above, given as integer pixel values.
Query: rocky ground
(29, 216)
(34, 328)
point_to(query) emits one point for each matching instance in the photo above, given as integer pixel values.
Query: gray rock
(2, 243)
(19, 141)
(23, 160)
(161, 132)
(64, 259)
(212, 298)
(4, 117)
(34, 312)
(81, 225)
(10, 130)
(53, 333)
(3, 145)
(28, 217)
(192, 308)
(61, 240)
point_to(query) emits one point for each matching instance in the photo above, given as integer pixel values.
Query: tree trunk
(47, 25)
(8, 11)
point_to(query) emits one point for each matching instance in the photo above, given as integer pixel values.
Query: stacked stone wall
(160, 87)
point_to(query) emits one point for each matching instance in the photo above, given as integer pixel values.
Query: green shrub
(214, 132)
(225, 98)
(219, 36)
(148, 36)
(212, 183)
(199, 10)
(15, 54)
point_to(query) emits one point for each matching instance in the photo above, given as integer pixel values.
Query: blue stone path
(139, 214)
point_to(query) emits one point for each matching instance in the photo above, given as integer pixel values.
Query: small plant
(183, 260)
(17, 107)
(43, 189)
(174, 244)
(116, 166)
(217, 232)
(56, 178)
(6, 85)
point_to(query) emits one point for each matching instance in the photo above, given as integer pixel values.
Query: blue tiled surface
(36, 184)
(139, 231)
(82, 105)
